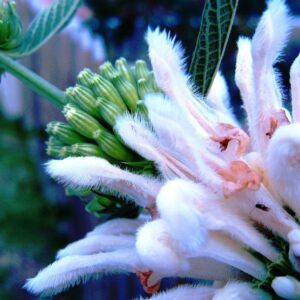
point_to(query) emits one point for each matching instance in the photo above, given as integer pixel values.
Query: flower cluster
(224, 206)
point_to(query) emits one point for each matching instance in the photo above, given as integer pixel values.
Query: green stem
(34, 81)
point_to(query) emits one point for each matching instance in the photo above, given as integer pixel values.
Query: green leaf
(217, 20)
(45, 25)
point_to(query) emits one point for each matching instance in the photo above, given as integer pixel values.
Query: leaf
(45, 25)
(216, 23)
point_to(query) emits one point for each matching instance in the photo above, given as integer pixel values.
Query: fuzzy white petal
(72, 270)
(98, 173)
(240, 291)
(96, 244)
(295, 88)
(119, 226)
(283, 164)
(185, 293)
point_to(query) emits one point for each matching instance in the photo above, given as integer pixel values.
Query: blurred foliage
(30, 226)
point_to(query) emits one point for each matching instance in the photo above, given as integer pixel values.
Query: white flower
(217, 183)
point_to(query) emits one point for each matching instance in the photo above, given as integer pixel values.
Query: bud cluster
(91, 109)
(11, 28)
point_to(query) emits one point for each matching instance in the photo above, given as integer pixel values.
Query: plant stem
(34, 81)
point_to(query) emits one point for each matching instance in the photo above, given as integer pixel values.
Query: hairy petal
(72, 270)
(93, 172)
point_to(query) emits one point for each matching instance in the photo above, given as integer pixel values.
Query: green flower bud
(109, 111)
(11, 28)
(82, 122)
(141, 70)
(57, 151)
(152, 82)
(53, 141)
(64, 133)
(84, 98)
(87, 149)
(86, 77)
(123, 68)
(141, 108)
(104, 88)
(127, 91)
(111, 145)
(144, 88)
(107, 71)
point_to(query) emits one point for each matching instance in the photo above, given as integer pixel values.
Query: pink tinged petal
(237, 176)
(267, 43)
(138, 136)
(187, 208)
(295, 88)
(96, 244)
(72, 270)
(92, 172)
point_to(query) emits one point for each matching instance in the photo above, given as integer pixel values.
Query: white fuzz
(245, 82)
(283, 164)
(267, 44)
(185, 292)
(138, 136)
(167, 62)
(295, 88)
(166, 57)
(174, 205)
(228, 251)
(157, 251)
(269, 38)
(93, 172)
(72, 270)
(96, 244)
(286, 287)
(188, 208)
(119, 226)
(218, 97)
(240, 291)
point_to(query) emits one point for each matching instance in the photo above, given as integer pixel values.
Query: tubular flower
(223, 204)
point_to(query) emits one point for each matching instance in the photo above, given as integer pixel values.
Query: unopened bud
(64, 132)
(109, 111)
(85, 77)
(82, 122)
(141, 108)
(152, 82)
(57, 151)
(127, 91)
(141, 70)
(122, 66)
(87, 149)
(104, 88)
(107, 71)
(53, 141)
(111, 145)
(11, 28)
(84, 98)
(144, 88)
